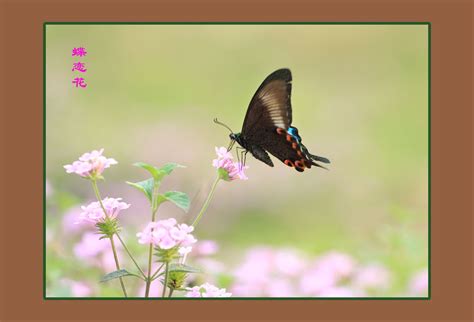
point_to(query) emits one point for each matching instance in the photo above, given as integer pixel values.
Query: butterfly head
(234, 137)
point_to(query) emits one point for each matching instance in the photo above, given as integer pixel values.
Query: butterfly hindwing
(285, 147)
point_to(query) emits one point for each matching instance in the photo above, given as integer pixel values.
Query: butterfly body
(267, 126)
(253, 147)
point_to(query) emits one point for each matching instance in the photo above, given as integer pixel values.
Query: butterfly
(267, 126)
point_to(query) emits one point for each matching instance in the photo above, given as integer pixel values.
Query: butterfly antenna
(220, 123)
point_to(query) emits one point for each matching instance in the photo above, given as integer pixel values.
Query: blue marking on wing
(294, 133)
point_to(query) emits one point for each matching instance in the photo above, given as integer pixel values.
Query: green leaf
(180, 199)
(181, 268)
(116, 274)
(159, 173)
(145, 186)
(169, 167)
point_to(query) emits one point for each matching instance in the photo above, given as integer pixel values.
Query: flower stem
(148, 278)
(206, 203)
(130, 255)
(157, 271)
(166, 280)
(112, 243)
(154, 209)
(97, 195)
(171, 293)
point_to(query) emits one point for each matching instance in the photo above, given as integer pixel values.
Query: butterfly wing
(288, 148)
(270, 106)
(267, 124)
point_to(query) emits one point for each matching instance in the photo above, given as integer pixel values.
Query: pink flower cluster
(96, 252)
(235, 170)
(207, 290)
(94, 213)
(419, 283)
(268, 272)
(166, 234)
(77, 289)
(286, 273)
(90, 164)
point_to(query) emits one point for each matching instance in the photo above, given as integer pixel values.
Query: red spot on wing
(289, 163)
(299, 164)
(280, 131)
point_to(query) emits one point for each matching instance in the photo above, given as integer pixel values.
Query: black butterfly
(267, 126)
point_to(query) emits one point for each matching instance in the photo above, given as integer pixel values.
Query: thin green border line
(44, 161)
(429, 161)
(239, 23)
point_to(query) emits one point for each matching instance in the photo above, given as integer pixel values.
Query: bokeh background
(360, 98)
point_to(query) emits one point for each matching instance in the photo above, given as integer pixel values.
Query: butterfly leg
(231, 144)
(237, 152)
(244, 155)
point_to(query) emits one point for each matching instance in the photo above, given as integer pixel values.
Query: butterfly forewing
(270, 106)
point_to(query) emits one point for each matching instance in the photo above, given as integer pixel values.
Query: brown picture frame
(451, 158)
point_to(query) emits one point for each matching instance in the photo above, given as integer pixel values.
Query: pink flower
(419, 283)
(340, 264)
(280, 288)
(69, 221)
(207, 290)
(96, 251)
(256, 268)
(90, 164)
(316, 280)
(289, 262)
(268, 272)
(326, 272)
(235, 170)
(206, 247)
(94, 213)
(373, 276)
(166, 234)
(223, 154)
(91, 246)
(78, 289)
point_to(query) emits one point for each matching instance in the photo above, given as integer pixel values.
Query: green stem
(206, 203)
(130, 255)
(112, 243)
(157, 271)
(97, 195)
(166, 280)
(148, 279)
(154, 209)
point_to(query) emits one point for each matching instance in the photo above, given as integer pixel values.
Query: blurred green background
(360, 98)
